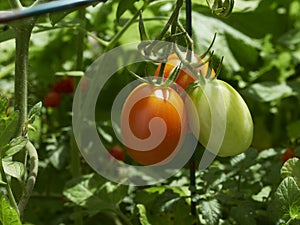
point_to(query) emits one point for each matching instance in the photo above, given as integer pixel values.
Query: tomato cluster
(155, 118)
(66, 85)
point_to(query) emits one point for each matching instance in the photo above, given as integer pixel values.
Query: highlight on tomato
(153, 124)
(226, 126)
(185, 76)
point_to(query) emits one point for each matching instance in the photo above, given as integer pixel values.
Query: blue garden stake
(36, 10)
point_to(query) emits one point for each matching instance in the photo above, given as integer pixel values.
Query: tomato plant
(139, 122)
(117, 152)
(52, 99)
(185, 76)
(223, 116)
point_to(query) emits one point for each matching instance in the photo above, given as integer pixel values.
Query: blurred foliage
(260, 43)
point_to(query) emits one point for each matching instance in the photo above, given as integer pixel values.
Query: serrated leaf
(95, 193)
(123, 6)
(8, 215)
(210, 210)
(34, 112)
(291, 168)
(14, 146)
(14, 169)
(288, 196)
(142, 214)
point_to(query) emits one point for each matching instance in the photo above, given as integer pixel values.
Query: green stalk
(23, 31)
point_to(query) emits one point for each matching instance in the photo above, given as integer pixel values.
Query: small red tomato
(117, 152)
(64, 86)
(52, 99)
(288, 154)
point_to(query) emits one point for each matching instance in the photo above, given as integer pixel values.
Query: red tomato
(117, 152)
(185, 76)
(64, 86)
(52, 99)
(153, 122)
(288, 154)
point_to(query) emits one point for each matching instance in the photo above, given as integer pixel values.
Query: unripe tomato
(64, 86)
(117, 152)
(185, 76)
(225, 123)
(153, 123)
(52, 99)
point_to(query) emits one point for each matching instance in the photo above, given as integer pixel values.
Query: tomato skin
(52, 99)
(222, 115)
(117, 152)
(64, 86)
(185, 76)
(144, 104)
(288, 154)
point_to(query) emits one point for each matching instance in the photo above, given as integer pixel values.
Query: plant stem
(34, 161)
(23, 29)
(80, 39)
(23, 33)
(113, 41)
(8, 188)
(15, 4)
(192, 160)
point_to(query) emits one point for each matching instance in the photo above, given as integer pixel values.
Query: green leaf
(34, 112)
(291, 168)
(269, 91)
(293, 130)
(7, 133)
(8, 215)
(123, 6)
(95, 193)
(14, 146)
(210, 210)
(58, 16)
(14, 169)
(142, 214)
(288, 196)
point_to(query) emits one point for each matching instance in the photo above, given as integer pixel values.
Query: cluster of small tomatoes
(148, 142)
(64, 86)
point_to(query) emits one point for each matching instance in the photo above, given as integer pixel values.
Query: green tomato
(219, 116)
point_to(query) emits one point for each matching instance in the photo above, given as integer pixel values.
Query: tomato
(153, 123)
(64, 86)
(117, 152)
(288, 154)
(225, 122)
(185, 76)
(52, 99)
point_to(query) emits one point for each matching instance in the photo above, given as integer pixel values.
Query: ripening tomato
(153, 123)
(64, 86)
(288, 154)
(117, 152)
(52, 99)
(225, 122)
(185, 76)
